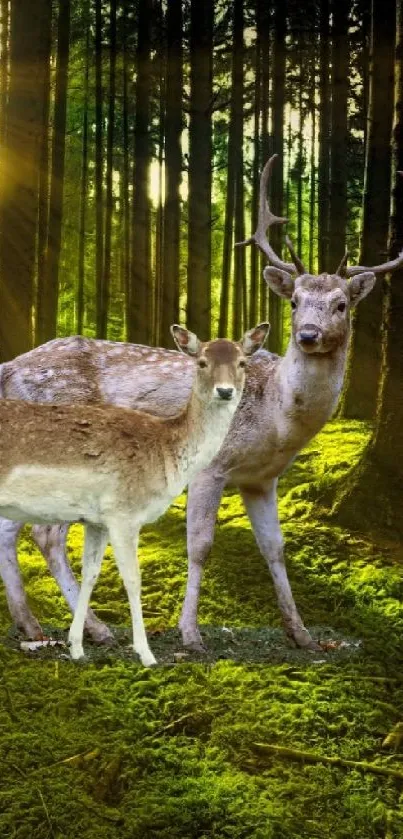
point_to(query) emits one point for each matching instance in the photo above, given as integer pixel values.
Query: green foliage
(108, 749)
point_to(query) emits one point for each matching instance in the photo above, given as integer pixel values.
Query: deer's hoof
(192, 640)
(100, 633)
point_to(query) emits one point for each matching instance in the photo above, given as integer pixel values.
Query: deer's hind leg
(13, 583)
(262, 509)
(95, 541)
(51, 541)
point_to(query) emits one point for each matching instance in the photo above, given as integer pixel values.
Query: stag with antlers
(286, 402)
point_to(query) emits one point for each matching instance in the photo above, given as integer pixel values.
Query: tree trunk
(312, 185)
(43, 208)
(254, 257)
(84, 181)
(361, 393)
(159, 232)
(49, 291)
(324, 139)
(4, 69)
(140, 296)
(173, 171)
(237, 151)
(19, 202)
(264, 22)
(373, 497)
(339, 135)
(99, 200)
(278, 100)
(126, 168)
(103, 320)
(200, 168)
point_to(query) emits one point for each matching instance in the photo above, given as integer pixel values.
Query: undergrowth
(107, 749)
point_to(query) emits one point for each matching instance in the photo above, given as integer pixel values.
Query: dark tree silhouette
(373, 495)
(361, 394)
(338, 140)
(49, 296)
(200, 168)
(139, 304)
(173, 170)
(19, 196)
(109, 172)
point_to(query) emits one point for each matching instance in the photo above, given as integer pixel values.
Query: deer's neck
(200, 432)
(310, 385)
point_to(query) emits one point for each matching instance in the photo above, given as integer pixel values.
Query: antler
(376, 269)
(266, 219)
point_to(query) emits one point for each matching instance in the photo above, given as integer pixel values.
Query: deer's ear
(279, 281)
(360, 285)
(255, 338)
(186, 341)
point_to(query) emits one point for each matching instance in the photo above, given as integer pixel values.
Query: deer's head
(220, 364)
(321, 305)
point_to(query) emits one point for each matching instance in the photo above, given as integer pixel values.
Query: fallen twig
(312, 757)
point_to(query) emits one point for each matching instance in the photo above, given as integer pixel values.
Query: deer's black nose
(309, 335)
(225, 392)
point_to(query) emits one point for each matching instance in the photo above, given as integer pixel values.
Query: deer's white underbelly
(43, 494)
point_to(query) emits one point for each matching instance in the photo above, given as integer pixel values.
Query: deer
(286, 401)
(115, 469)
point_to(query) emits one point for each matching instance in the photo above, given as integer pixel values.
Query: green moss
(106, 748)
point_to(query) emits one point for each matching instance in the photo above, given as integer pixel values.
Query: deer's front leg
(261, 507)
(124, 536)
(204, 496)
(51, 541)
(13, 584)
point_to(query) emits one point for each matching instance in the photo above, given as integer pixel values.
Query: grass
(108, 749)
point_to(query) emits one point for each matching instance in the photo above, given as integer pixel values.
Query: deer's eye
(242, 364)
(293, 305)
(202, 363)
(341, 307)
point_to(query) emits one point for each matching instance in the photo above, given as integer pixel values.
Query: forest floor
(255, 741)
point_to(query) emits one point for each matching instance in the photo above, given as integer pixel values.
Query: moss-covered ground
(257, 741)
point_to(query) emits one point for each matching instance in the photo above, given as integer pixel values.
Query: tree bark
(373, 496)
(43, 208)
(278, 101)
(236, 141)
(103, 322)
(140, 292)
(339, 134)
(324, 138)
(173, 171)
(264, 22)
(126, 167)
(4, 69)
(160, 214)
(200, 168)
(363, 379)
(49, 291)
(28, 25)
(84, 180)
(99, 190)
(254, 257)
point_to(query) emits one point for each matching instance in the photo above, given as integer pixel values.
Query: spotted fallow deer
(286, 401)
(116, 469)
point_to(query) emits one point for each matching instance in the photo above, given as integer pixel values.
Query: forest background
(132, 136)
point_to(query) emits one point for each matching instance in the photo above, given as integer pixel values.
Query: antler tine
(265, 220)
(300, 265)
(376, 269)
(341, 270)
